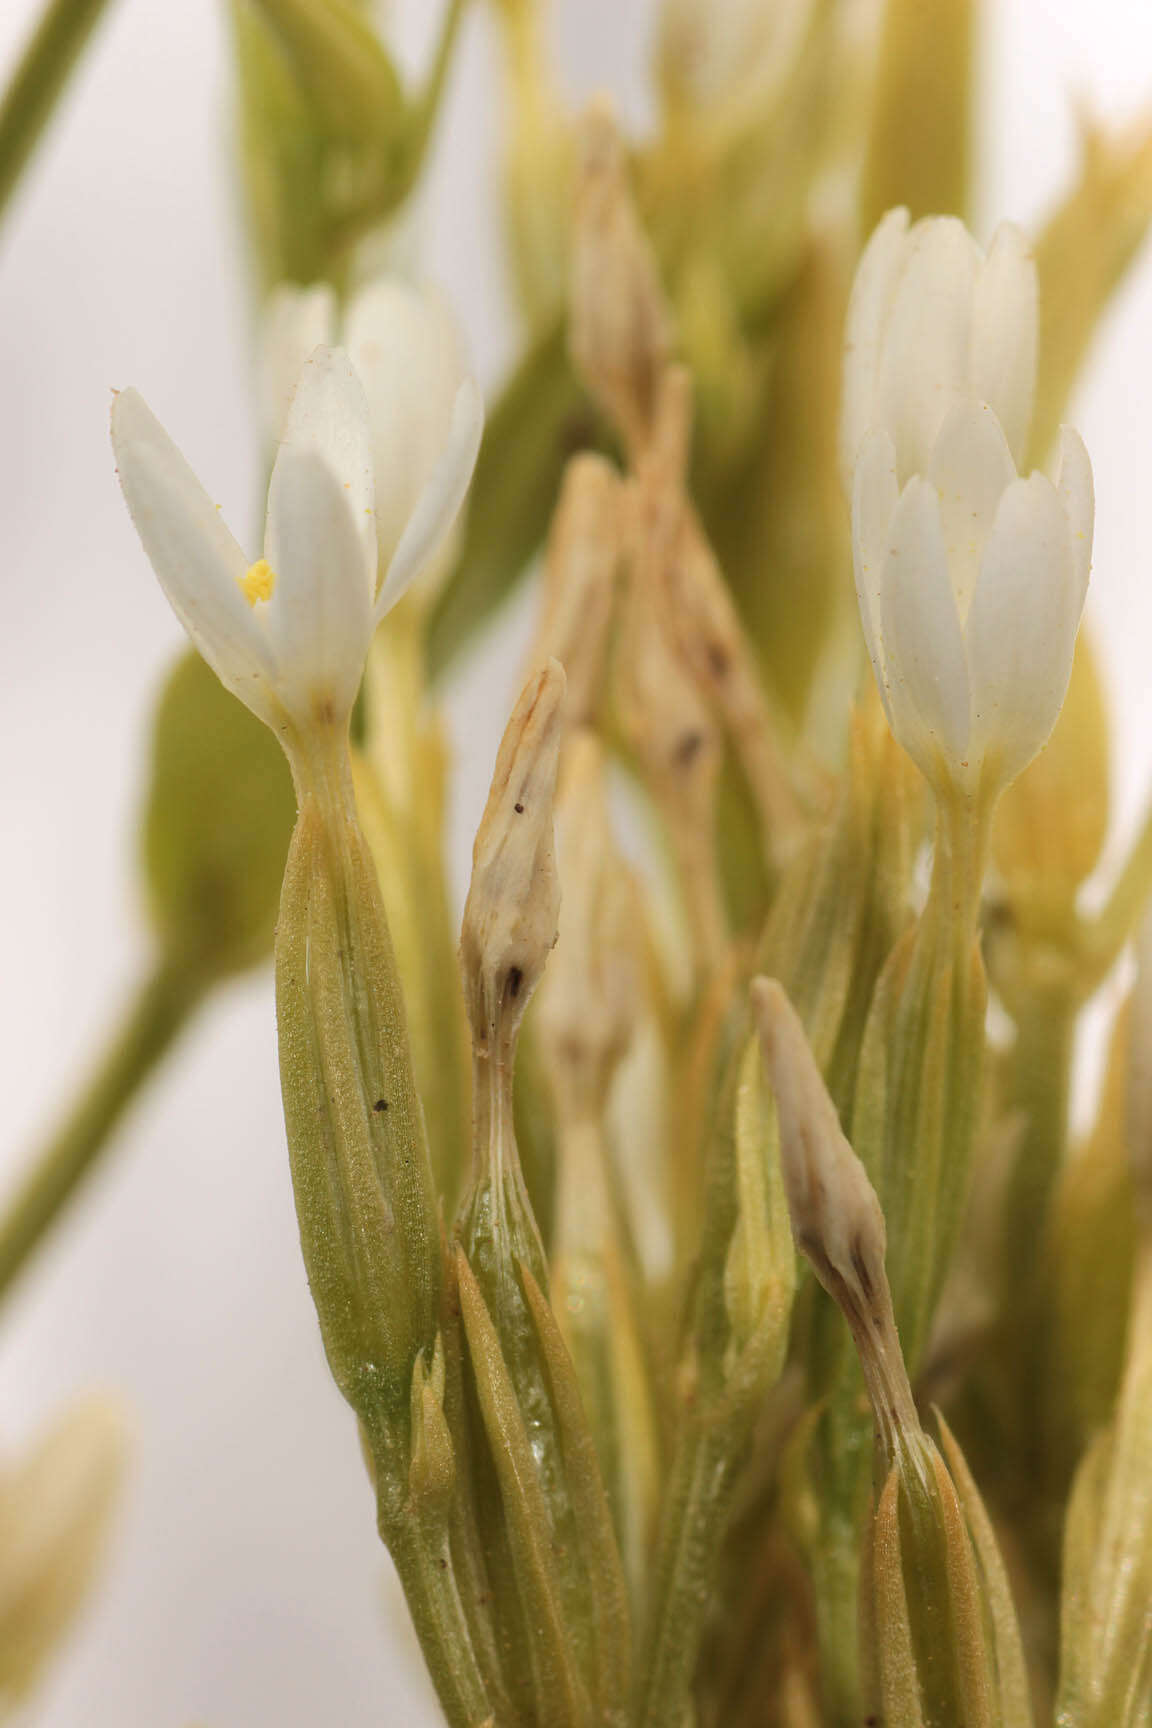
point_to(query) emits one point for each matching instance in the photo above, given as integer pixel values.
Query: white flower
(409, 355)
(971, 578)
(711, 50)
(289, 634)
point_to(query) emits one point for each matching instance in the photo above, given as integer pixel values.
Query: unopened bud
(668, 726)
(836, 1217)
(341, 64)
(513, 905)
(588, 1002)
(55, 1508)
(620, 333)
(580, 570)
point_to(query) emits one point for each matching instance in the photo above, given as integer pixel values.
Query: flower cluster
(971, 577)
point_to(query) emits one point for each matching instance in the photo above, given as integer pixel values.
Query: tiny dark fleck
(519, 809)
(688, 747)
(380, 1104)
(718, 660)
(515, 979)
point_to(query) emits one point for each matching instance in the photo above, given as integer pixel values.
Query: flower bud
(620, 335)
(341, 64)
(581, 567)
(711, 53)
(55, 1509)
(513, 904)
(665, 721)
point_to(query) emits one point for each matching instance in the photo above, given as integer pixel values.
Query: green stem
(429, 105)
(154, 1019)
(430, 1589)
(56, 44)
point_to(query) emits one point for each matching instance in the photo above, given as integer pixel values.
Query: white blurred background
(246, 1585)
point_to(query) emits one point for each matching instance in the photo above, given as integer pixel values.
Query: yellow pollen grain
(258, 582)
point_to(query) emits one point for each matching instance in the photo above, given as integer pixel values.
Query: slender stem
(158, 1013)
(56, 45)
(429, 104)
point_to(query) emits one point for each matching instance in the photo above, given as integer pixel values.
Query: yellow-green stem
(154, 1019)
(40, 76)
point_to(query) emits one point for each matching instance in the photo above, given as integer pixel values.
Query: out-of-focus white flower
(289, 634)
(971, 578)
(711, 49)
(410, 357)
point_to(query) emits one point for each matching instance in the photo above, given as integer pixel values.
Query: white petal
(293, 322)
(328, 418)
(876, 276)
(924, 354)
(923, 646)
(1078, 496)
(320, 540)
(1022, 627)
(874, 497)
(406, 346)
(196, 559)
(439, 503)
(1004, 317)
(971, 468)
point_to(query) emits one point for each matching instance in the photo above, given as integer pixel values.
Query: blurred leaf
(1082, 256)
(217, 821)
(920, 150)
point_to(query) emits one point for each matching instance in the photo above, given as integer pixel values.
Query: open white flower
(289, 633)
(971, 578)
(410, 357)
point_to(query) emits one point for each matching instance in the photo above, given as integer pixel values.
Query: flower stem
(53, 50)
(158, 1013)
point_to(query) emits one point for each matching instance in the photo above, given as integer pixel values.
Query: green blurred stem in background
(40, 76)
(155, 1018)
